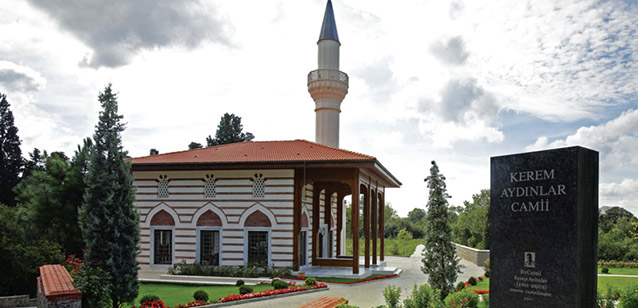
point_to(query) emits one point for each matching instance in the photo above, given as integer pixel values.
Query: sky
(452, 81)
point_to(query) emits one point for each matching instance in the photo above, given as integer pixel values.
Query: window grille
(258, 248)
(209, 187)
(209, 247)
(259, 188)
(163, 247)
(162, 187)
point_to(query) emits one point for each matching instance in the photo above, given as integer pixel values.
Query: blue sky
(451, 81)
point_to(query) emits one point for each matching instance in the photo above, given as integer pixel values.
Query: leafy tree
(10, 153)
(22, 253)
(229, 130)
(439, 260)
(608, 219)
(471, 228)
(195, 145)
(108, 220)
(49, 200)
(416, 215)
(35, 161)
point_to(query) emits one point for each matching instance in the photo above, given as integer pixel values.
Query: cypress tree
(10, 154)
(439, 260)
(107, 217)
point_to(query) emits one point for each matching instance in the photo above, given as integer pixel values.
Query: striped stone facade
(233, 210)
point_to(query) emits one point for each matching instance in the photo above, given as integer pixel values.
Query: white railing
(327, 74)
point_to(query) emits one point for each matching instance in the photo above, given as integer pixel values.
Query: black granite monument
(544, 229)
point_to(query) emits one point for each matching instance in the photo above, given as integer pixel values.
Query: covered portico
(321, 188)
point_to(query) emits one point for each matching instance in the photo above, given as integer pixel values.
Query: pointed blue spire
(329, 27)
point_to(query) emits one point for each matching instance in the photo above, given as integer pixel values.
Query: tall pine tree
(229, 130)
(10, 154)
(107, 217)
(439, 260)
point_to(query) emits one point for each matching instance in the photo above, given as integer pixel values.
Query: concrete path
(369, 294)
(617, 275)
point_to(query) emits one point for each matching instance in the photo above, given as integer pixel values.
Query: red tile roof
(57, 283)
(257, 152)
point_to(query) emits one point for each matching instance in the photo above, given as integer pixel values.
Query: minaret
(327, 85)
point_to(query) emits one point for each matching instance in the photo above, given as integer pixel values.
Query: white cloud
(623, 194)
(616, 140)
(16, 77)
(117, 30)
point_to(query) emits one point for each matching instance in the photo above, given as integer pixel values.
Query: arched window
(209, 238)
(162, 186)
(162, 225)
(257, 242)
(259, 188)
(209, 186)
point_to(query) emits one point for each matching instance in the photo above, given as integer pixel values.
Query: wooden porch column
(296, 218)
(374, 213)
(340, 197)
(381, 223)
(366, 225)
(316, 195)
(355, 222)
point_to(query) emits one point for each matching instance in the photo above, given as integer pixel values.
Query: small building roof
(271, 153)
(329, 26)
(57, 283)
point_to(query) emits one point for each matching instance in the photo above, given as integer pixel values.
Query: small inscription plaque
(543, 229)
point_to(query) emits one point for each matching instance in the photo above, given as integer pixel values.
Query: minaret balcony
(328, 75)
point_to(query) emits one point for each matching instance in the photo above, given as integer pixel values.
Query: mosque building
(267, 203)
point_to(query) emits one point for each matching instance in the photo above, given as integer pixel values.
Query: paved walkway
(369, 294)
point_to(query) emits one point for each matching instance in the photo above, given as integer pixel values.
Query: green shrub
(347, 306)
(149, 298)
(472, 281)
(279, 284)
(629, 297)
(460, 286)
(311, 281)
(200, 295)
(487, 274)
(94, 283)
(462, 299)
(273, 281)
(605, 270)
(239, 283)
(422, 296)
(195, 269)
(245, 289)
(392, 295)
(404, 234)
(608, 300)
(486, 300)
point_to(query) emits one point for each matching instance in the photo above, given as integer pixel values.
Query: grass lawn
(392, 247)
(618, 283)
(481, 285)
(175, 294)
(620, 271)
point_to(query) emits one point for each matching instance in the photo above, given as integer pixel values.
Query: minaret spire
(329, 26)
(328, 85)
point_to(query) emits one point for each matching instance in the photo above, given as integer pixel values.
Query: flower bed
(479, 279)
(292, 289)
(350, 282)
(618, 264)
(236, 297)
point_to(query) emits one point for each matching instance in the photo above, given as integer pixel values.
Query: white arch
(158, 208)
(258, 207)
(212, 207)
(304, 210)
